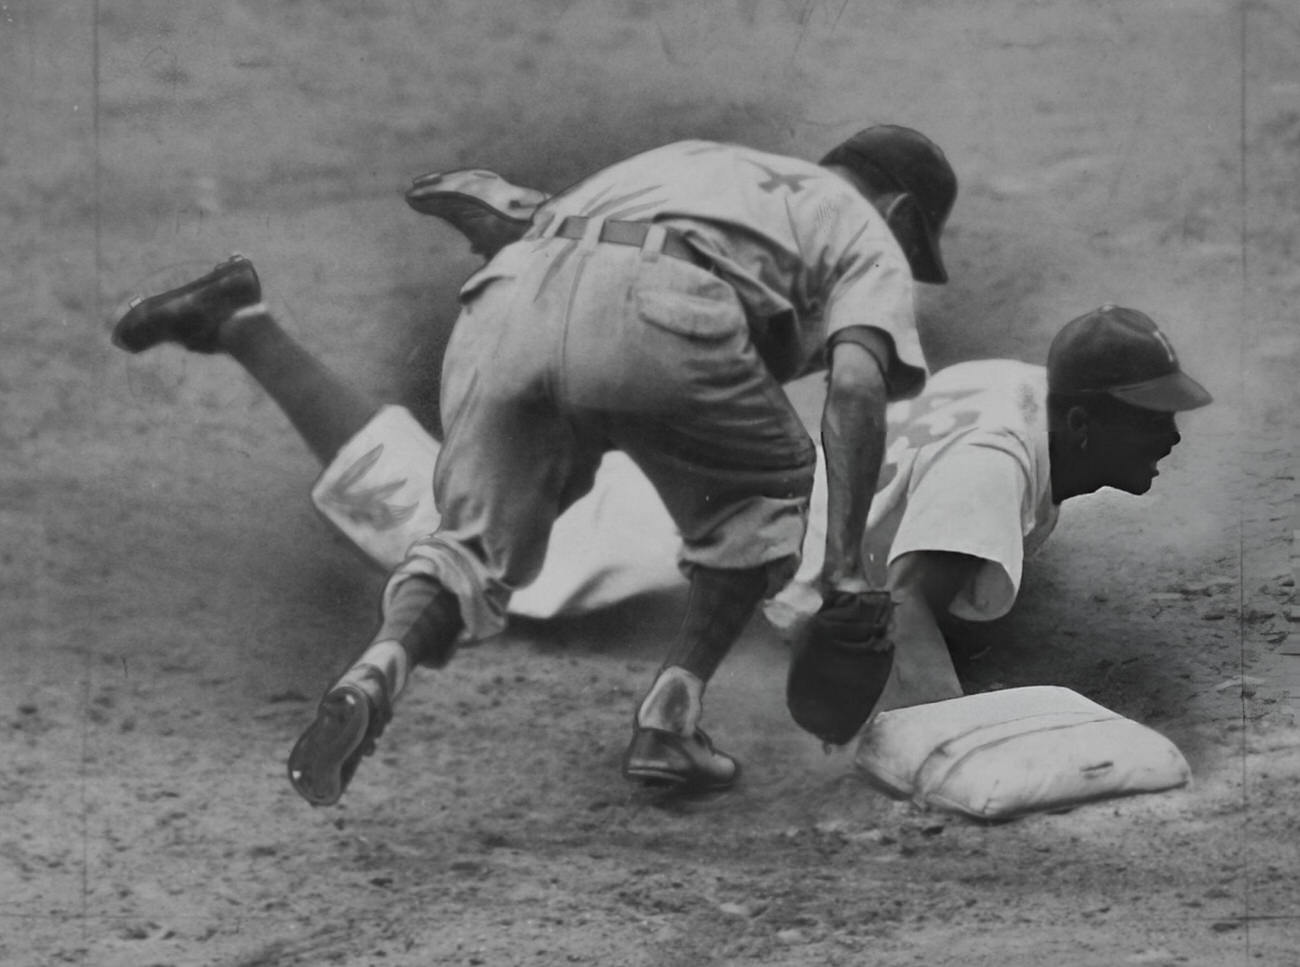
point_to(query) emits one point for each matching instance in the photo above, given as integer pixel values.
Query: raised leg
(223, 312)
(326, 409)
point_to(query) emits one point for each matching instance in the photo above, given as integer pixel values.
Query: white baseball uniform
(966, 471)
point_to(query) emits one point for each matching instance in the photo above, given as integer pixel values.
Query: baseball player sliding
(1017, 450)
(652, 309)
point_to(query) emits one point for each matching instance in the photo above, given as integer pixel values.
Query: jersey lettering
(924, 421)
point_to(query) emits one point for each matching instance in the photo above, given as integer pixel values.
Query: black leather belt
(630, 233)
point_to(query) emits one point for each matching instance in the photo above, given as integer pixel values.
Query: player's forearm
(923, 585)
(853, 440)
(923, 670)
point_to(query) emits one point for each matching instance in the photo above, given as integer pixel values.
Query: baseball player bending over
(654, 309)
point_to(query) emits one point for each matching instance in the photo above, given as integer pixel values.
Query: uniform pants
(567, 349)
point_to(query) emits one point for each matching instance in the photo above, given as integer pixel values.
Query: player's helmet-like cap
(910, 162)
(1120, 352)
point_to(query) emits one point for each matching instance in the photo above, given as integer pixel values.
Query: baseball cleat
(686, 763)
(326, 755)
(429, 193)
(488, 210)
(191, 314)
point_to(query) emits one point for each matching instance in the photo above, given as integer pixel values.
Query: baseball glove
(840, 662)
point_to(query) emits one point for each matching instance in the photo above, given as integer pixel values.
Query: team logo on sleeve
(368, 505)
(776, 180)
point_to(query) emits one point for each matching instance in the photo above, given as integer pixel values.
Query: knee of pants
(752, 533)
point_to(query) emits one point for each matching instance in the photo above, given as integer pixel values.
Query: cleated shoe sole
(326, 755)
(488, 210)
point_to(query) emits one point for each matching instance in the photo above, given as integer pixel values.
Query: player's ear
(1077, 422)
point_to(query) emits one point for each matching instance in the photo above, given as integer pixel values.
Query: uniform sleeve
(971, 500)
(874, 287)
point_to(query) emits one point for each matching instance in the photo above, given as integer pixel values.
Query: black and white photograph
(649, 483)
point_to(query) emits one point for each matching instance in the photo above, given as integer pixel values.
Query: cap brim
(929, 267)
(1168, 394)
(918, 239)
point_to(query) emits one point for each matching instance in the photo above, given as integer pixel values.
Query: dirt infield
(173, 606)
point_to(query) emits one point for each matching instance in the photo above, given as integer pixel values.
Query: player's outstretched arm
(923, 584)
(841, 656)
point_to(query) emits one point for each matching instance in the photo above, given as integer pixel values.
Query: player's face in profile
(1129, 441)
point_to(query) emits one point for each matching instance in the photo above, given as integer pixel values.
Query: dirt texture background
(173, 606)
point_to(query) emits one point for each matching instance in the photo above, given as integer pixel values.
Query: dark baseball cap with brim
(1120, 352)
(911, 163)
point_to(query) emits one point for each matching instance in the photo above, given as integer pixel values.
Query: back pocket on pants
(690, 314)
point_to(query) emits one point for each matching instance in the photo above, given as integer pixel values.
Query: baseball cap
(1121, 353)
(913, 163)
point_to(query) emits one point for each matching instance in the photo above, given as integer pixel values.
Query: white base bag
(999, 755)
